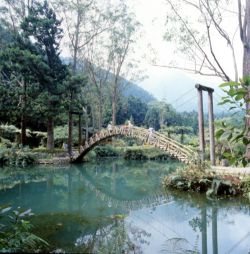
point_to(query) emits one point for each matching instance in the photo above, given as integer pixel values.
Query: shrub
(134, 154)
(18, 157)
(106, 151)
(15, 235)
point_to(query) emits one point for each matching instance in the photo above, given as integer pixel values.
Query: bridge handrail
(172, 141)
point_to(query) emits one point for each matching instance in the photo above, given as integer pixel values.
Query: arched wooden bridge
(170, 146)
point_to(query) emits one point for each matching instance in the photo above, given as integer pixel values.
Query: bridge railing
(159, 140)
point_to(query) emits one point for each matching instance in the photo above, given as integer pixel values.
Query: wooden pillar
(211, 127)
(79, 133)
(201, 124)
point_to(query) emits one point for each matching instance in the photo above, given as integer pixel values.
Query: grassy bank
(196, 178)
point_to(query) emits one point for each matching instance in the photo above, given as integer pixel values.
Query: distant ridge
(129, 88)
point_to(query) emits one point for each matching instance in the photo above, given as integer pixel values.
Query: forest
(43, 93)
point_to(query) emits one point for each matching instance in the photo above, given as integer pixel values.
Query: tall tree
(122, 40)
(84, 21)
(43, 26)
(244, 25)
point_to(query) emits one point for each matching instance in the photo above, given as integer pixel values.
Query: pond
(117, 206)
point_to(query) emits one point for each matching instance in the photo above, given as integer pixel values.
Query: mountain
(178, 88)
(132, 89)
(128, 88)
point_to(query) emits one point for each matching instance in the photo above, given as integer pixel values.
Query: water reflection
(119, 207)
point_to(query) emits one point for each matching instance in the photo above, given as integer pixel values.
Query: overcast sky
(167, 83)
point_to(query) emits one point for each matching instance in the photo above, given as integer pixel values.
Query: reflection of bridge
(170, 146)
(128, 205)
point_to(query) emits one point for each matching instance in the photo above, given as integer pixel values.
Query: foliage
(236, 136)
(245, 186)
(132, 107)
(15, 235)
(134, 154)
(201, 179)
(106, 151)
(145, 153)
(61, 135)
(17, 157)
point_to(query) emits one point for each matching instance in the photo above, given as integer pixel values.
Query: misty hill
(178, 88)
(128, 88)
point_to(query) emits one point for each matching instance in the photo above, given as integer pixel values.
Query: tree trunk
(113, 112)
(23, 116)
(114, 101)
(70, 127)
(246, 69)
(23, 129)
(50, 133)
(100, 109)
(79, 132)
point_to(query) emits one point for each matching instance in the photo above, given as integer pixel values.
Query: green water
(114, 206)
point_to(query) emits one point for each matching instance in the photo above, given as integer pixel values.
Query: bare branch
(242, 32)
(194, 71)
(195, 40)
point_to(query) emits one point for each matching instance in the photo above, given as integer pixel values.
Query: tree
(136, 109)
(197, 38)
(122, 39)
(21, 67)
(84, 21)
(42, 25)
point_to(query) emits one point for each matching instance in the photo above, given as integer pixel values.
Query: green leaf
(246, 141)
(229, 136)
(232, 83)
(227, 155)
(219, 133)
(244, 162)
(225, 101)
(239, 97)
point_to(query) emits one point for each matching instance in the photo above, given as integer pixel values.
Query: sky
(168, 84)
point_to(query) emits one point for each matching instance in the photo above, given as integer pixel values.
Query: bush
(18, 157)
(106, 151)
(15, 235)
(61, 135)
(134, 154)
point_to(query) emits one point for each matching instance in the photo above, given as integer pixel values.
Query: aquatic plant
(15, 235)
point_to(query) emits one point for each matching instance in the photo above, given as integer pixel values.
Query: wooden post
(211, 127)
(201, 123)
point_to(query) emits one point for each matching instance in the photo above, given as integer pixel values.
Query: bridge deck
(170, 146)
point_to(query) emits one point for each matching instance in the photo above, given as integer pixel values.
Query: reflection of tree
(127, 205)
(129, 181)
(179, 245)
(114, 238)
